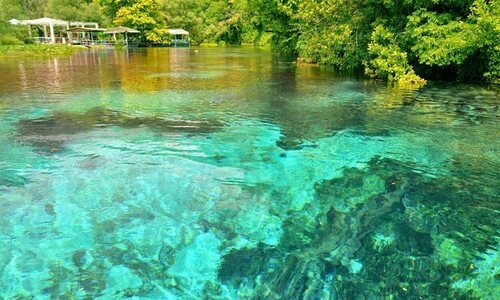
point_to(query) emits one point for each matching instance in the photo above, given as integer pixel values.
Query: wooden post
(45, 34)
(29, 31)
(126, 38)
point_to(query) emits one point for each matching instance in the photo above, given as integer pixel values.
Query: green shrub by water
(36, 50)
(120, 44)
(9, 40)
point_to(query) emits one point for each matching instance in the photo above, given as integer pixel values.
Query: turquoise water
(221, 174)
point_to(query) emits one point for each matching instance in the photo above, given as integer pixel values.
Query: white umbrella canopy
(43, 21)
(14, 21)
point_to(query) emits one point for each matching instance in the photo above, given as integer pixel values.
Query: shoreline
(38, 50)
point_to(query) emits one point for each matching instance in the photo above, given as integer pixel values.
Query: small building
(180, 38)
(85, 36)
(104, 37)
(85, 33)
(130, 35)
(56, 36)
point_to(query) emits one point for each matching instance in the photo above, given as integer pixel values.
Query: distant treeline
(398, 40)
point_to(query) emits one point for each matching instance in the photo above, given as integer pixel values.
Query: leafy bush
(493, 73)
(120, 44)
(9, 40)
(387, 61)
(411, 80)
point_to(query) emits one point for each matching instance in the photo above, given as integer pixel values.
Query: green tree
(145, 16)
(278, 18)
(15, 9)
(76, 10)
(390, 39)
(225, 20)
(33, 8)
(486, 16)
(220, 21)
(111, 7)
(189, 15)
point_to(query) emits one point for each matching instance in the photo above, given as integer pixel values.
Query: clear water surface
(221, 174)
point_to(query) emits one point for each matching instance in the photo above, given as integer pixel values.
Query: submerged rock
(483, 282)
(91, 162)
(356, 187)
(355, 266)
(49, 209)
(166, 256)
(197, 263)
(79, 258)
(53, 131)
(239, 264)
(120, 278)
(8, 178)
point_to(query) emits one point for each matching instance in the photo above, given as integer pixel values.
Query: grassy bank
(37, 50)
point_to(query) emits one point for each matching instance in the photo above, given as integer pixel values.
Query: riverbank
(38, 50)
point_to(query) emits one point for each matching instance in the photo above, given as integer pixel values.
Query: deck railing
(95, 43)
(180, 42)
(83, 42)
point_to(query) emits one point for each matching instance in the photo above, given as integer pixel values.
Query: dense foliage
(391, 39)
(394, 40)
(143, 15)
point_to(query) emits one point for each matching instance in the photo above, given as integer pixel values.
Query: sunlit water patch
(262, 181)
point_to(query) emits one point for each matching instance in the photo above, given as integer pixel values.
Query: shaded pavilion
(180, 37)
(50, 24)
(129, 34)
